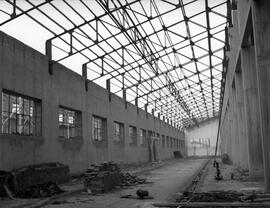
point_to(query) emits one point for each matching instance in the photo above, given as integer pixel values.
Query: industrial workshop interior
(134, 103)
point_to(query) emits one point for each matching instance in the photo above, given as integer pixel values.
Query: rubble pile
(34, 181)
(42, 190)
(240, 174)
(128, 179)
(219, 196)
(226, 159)
(5, 181)
(107, 176)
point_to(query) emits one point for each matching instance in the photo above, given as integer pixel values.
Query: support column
(235, 139)
(222, 139)
(261, 25)
(250, 89)
(229, 130)
(226, 136)
(1, 75)
(243, 142)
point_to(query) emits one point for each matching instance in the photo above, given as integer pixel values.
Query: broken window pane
(26, 110)
(142, 140)
(5, 102)
(20, 114)
(69, 123)
(26, 120)
(19, 124)
(98, 128)
(12, 123)
(13, 104)
(133, 135)
(118, 132)
(5, 122)
(32, 126)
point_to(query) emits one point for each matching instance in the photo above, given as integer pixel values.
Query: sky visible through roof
(164, 53)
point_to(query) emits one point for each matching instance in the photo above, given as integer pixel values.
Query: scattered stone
(226, 159)
(240, 174)
(220, 196)
(142, 193)
(41, 190)
(108, 176)
(129, 196)
(60, 202)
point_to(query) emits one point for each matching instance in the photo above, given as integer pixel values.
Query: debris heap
(40, 190)
(5, 181)
(33, 181)
(215, 196)
(107, 176)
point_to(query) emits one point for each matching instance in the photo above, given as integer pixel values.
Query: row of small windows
(22, 115)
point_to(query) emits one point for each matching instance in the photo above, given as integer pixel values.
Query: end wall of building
(201, 139)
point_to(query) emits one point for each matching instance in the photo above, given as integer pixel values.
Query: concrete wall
(25, 71)
(244, 130)
(240, 134)
(205, 130)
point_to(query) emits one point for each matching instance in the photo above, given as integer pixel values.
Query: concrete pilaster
(235, 139)
(1, 77)
(227, 133)
(261, 26)
(243, 142)
(252, 118)
(230, 130)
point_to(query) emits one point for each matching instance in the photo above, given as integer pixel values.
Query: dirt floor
(165, 182)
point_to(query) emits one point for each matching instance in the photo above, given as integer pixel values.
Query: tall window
(118, 132)
(142, 140)
(69, 123)
(168, 141)
(132, 135)
(163, 141)
(20, 114)
(98, 128)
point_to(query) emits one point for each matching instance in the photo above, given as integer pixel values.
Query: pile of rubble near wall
(34, 181)
(107, 176)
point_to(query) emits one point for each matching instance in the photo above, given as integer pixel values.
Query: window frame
(102, 129)
(77, 122)
(121, 136)
(163, 138)
(133, 137)
(32, 112)
(142, 137)
(167, 141)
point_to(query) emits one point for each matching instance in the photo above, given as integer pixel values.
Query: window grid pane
(17, 114)
(69, 123)
(98, 128)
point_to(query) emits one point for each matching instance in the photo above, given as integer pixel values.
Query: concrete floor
(208, 183)
(166, 181)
